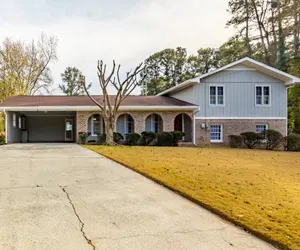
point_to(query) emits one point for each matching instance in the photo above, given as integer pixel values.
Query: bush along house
(243, 96)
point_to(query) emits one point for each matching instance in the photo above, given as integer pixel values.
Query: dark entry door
(178, 123)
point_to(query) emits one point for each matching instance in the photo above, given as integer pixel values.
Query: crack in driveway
(89, 241)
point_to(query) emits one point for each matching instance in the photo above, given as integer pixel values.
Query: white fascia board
(94, 108)
(180, 86)
(240, 118)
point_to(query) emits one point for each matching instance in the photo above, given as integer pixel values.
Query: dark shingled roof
(30, 101)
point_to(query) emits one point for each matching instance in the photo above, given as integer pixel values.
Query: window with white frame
(14, 120)
(129, 124)
(20, 122)
(216, 133)
(216, 95)
(96, 125)
(262, 95)
(261, 128)
(154, 123)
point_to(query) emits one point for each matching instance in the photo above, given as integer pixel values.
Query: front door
(178, 123)
(69, 130)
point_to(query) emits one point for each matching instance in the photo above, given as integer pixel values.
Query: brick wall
(235, 127)
(139, 118)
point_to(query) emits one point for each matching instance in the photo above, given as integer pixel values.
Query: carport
(40, 126)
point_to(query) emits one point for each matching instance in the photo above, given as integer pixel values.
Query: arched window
(125, 124)
(96, 125)
(154, 123)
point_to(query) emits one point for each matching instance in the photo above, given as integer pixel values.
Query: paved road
(62, 196)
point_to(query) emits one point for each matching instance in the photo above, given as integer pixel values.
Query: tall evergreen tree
(73, 81)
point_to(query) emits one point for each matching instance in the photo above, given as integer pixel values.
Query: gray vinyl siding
(14, 134)
(239, 95)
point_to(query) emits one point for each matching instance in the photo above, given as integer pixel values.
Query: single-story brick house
(61, 118)
(243, 96)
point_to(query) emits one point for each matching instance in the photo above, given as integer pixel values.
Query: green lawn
(257, 189)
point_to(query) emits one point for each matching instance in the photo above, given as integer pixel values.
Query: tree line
(267, 31)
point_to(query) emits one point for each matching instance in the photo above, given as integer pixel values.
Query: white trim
(217, 95)
(287, 78)
(6, 126)
(262, 96)
(221, 133)
(239, 118)
(94, 108)
(194, 130)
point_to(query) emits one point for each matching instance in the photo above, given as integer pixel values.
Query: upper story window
(216, 95)
(262, 95)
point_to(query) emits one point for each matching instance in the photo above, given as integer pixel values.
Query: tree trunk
(262, 37)
(296, 32)
(109, 132)
(247, 29)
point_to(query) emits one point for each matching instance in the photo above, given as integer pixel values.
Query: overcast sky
(125, 30)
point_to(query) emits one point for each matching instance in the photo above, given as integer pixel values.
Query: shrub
(132, 139)
(146, 138)
(165, 139)
(118, 137)
(83, 137)
(273, 138)
(235, 141)
(2, 139)
(292, 142)
(251, 139)
(177, 135)
(101, 138)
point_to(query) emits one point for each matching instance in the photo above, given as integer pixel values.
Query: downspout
(194, 125)
(4, 111)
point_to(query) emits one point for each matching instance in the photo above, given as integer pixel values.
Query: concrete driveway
(62, 196)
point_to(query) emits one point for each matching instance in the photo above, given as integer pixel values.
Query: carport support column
(6, 127)
(81, 122)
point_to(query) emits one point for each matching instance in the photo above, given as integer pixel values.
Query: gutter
(95, 108)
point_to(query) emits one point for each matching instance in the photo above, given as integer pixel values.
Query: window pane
(220, 100)
(266, 100)
(260, 128)
(258, 100)
(215, 133)
(96, 124)
(266, 90)
(220, 90)
(129, 124)
(258, 91)
(213, 100)
(212, 90)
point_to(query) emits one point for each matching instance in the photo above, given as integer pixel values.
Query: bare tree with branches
(110, 104)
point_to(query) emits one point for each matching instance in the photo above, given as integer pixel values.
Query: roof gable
(242, 64)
